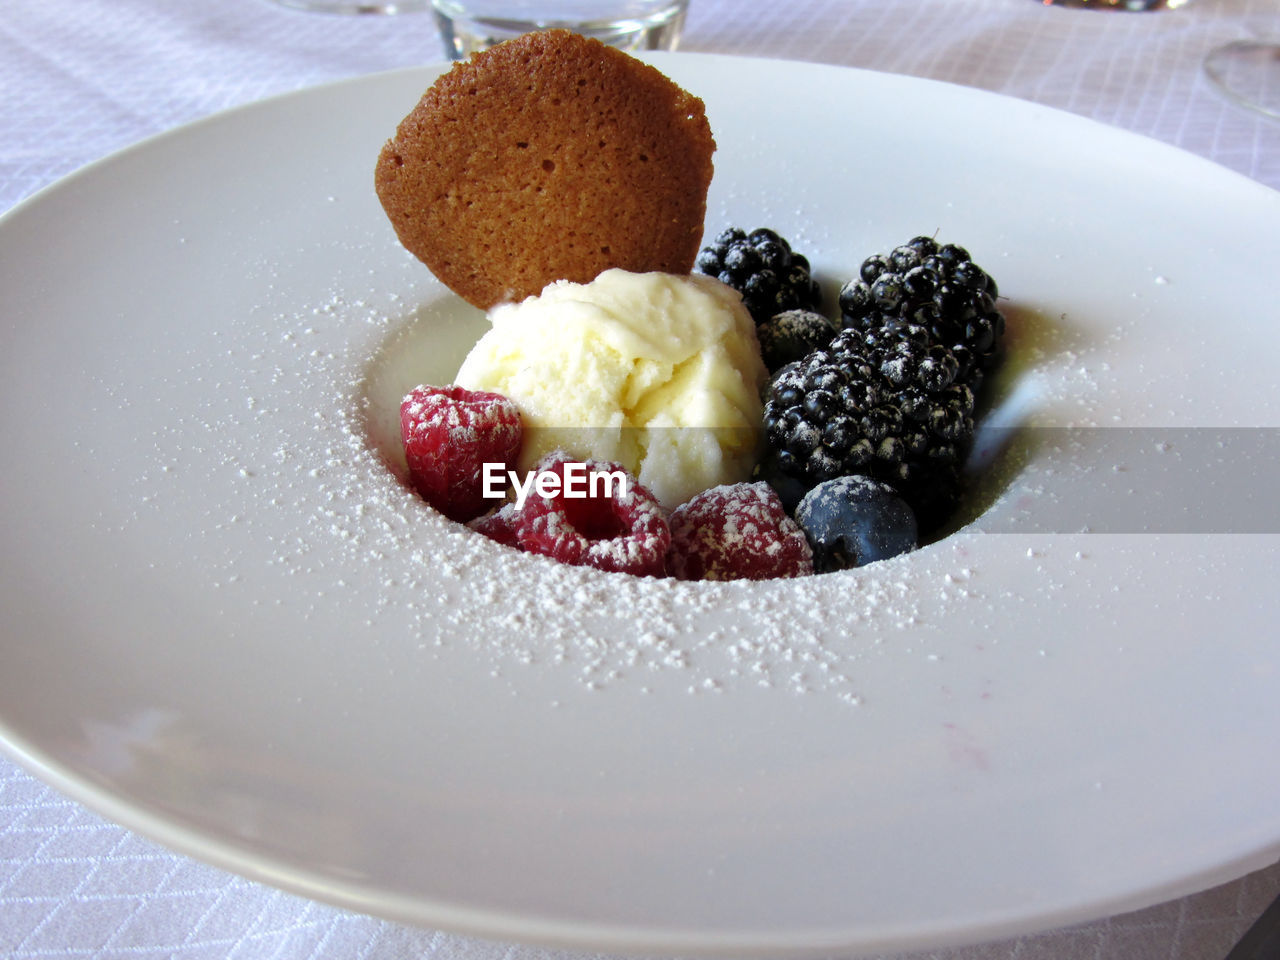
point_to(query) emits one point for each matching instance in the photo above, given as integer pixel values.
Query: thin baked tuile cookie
(549, 157)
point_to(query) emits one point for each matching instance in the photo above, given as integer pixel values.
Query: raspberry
(498, 525)
(738, 532)
(449, 434)
(617, 527)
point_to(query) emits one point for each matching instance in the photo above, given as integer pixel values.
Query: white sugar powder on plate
(517, 610)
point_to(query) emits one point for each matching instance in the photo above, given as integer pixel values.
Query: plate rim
(327, 889)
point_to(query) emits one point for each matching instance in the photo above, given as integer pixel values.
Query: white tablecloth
(82, 78)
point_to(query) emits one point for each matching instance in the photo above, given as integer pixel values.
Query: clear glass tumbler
(470, 25)
(357, 6)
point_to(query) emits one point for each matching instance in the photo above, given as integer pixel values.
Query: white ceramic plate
(228, 626)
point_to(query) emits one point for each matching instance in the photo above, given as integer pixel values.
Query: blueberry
(854, 520)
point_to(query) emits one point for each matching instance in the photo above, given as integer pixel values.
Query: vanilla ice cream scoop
(658, 372)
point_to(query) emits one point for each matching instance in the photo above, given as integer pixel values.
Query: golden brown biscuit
(548, 157)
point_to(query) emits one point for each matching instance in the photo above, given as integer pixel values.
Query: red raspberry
(449, 434)
(738, 532)
(499, 526)
(625, 532)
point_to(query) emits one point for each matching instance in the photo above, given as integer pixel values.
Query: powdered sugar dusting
(316, 485)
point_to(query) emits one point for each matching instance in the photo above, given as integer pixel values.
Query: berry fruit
(615, 526)
(790, 489)
(449, 433)
(792, 335)
(736, 532)
(934, 286)
(855, 520)
(883, 403)
(498, 525)
(763, 268)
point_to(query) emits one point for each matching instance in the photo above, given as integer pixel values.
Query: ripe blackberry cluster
(762, 267)
(934, 286)
(884, 403)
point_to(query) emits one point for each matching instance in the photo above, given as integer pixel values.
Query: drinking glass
(470, 25)
(357, 6)
(1247, 72)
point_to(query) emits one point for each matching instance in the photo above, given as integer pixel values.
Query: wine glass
(1128, 5)
(1247, 72)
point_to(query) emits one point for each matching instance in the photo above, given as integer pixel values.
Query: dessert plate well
(227, 625)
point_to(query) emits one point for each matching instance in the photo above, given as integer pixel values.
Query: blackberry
(762, 267)
(935, 286)
(790, 489)
(885, 403)
(792, 335)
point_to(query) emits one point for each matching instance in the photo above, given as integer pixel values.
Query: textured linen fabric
(80, 79)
